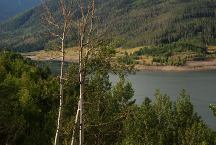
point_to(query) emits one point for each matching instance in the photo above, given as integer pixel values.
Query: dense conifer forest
(130, 22)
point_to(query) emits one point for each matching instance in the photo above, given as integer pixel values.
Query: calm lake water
(201, 86)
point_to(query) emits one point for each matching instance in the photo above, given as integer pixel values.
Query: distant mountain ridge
(130, 22)
(10, 8)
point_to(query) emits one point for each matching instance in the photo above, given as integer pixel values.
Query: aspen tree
(59, 28)
(85, 30)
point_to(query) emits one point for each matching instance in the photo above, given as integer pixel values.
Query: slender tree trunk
(85, 21)
(60, 93)
(74, 128)
(81, 123)
(59, 28)
(81, 114)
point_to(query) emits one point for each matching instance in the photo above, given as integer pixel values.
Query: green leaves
(213, 108)
(29, 101)
(164, 122)
(25, 102)
(24, 96)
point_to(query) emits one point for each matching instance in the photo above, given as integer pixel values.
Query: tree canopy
(29, 104)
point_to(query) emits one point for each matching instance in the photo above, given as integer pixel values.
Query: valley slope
(130, 22)
(10, 8)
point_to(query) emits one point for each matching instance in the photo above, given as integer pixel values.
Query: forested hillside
(130, 22)
(10, 8)
(81, 105)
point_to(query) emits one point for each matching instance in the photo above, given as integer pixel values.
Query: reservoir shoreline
(205, 65)
(199, 84)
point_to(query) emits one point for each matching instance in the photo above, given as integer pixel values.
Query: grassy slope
(144, 62)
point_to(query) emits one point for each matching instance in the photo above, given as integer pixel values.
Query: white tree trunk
(81, 124)
(60, 94)
(74, 128)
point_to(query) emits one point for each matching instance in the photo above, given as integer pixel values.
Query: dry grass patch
(212, 48)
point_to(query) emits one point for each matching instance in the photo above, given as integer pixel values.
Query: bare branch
(59, 27)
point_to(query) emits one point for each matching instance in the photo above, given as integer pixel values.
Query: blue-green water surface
(201, 86)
